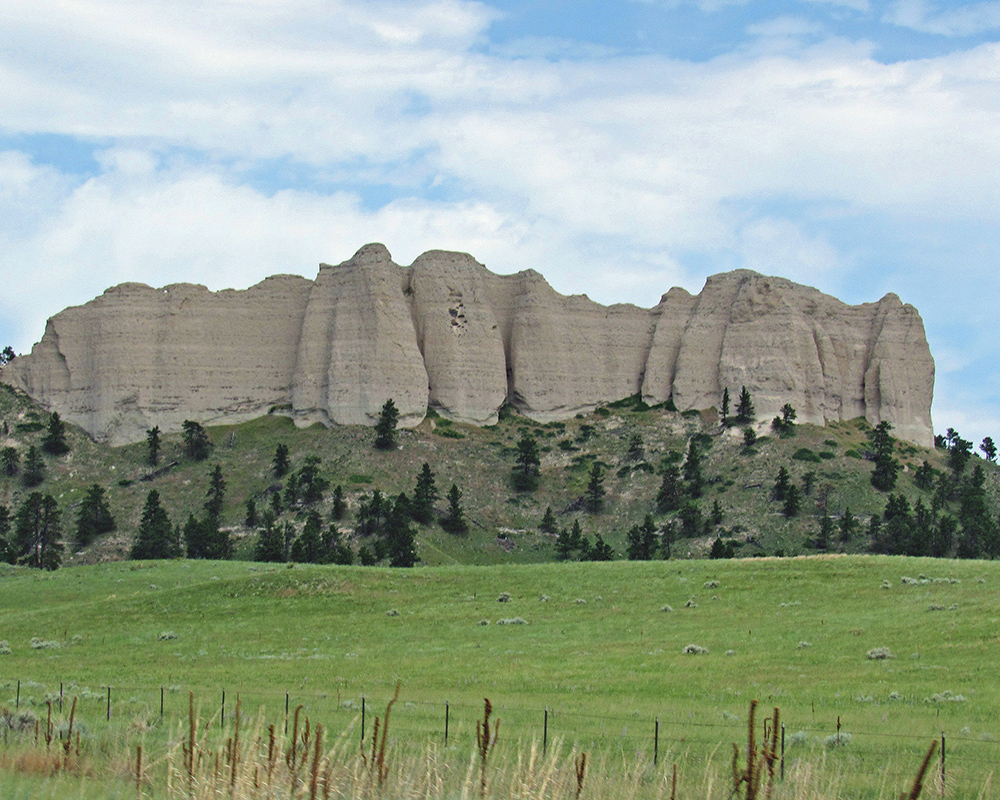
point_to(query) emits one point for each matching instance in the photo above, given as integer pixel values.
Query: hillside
(503, 523)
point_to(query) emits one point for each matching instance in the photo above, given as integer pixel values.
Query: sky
(619, 147)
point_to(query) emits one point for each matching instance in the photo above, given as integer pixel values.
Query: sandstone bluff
(449, 334)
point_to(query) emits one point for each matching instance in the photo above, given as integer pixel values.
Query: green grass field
(597, 649)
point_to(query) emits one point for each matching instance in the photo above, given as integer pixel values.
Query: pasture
(584, 655)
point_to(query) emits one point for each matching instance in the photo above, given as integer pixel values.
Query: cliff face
(449, 334)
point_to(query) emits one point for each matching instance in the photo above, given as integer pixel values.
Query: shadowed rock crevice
(449, 334)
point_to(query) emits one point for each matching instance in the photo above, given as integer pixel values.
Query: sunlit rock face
(448, 334)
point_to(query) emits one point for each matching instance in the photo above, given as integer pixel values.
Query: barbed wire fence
(963, 763)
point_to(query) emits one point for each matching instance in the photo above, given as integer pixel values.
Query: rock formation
(447, 333)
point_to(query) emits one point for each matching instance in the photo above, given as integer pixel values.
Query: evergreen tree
(642, 541)
(94, 517)
(54, 442)
(7, 553)
(339, 509)
(34, 468)
(725, 406)
(601, 551)
(281, 463)
(825, 533)
(311, 482)
(10, 461)
(593, 500)
(37, 531)
(216, 494)
(848, 526)
(251, 519)
(717, 515)
(989, 449)
(548, 523)
(924, 475)
(886, 467)
(424, 495)
(155, 538)
(692, 469)
(399, 539)
(749, 437)
(292, 491)
(371, 513)
(153, 446)
(669, 497)
(196, 442)
(807, 483)
(564, 545)
(792, 501)
(636, 448)
(277, 505)
(270, 543)
(455, 522)
(527, 466)
(781, 485)
(7, 355)
(959, 453)
(943, 536)
(204, 539)
(385, 428)
(306, 548)
(744, 409)
(668, 535)
(335, 549)
(690, 519)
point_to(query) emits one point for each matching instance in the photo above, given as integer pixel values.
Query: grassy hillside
(597, 648)
(503, 522)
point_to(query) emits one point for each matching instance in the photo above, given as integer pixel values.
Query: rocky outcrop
(447, 333)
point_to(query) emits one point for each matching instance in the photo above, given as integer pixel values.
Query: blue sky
(618, 147)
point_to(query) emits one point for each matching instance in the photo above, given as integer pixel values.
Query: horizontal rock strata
(447, 333)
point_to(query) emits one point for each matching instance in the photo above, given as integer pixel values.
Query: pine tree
(642, 541)
(424, 495)
(601, 551)
(37, 531)
(54, 442)
(692, 469)
(455, 522)
(668, 535)
(385, 428)
(527, 466)
(669, 497)
(564, 545)
(311, 482)
(781, 485)
(989, 449)
(215, 495)
(306, 548)
(94, 517)
(10, 461)
(196, 442)
(155, 538)
(6, 545)
(636, 448)
(153, 446)
(749, 437)
(744, 409)
(34, 468)
(792, 501)
(251, 519)
(725, 406)
(281, 463)
(848, 526)
(548, 523)
(339, 509)
(594, 498)
(270, 543)
(399, 539)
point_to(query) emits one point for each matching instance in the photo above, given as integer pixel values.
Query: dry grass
(250, 760)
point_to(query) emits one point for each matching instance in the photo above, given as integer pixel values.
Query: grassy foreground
(596, 648)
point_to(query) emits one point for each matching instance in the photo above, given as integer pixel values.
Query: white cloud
(854, 5)
(960, 20)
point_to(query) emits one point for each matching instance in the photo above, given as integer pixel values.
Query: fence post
(656, 742)
(446, 710)
(161, 702)
(17, 703)
(286, 713)
(223, 720)
(109, 703)
(942, 763)
(362, 719)
(545, 731)
(60, 696)
(782, 751)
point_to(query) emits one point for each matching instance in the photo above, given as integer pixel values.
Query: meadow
(574, 658)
